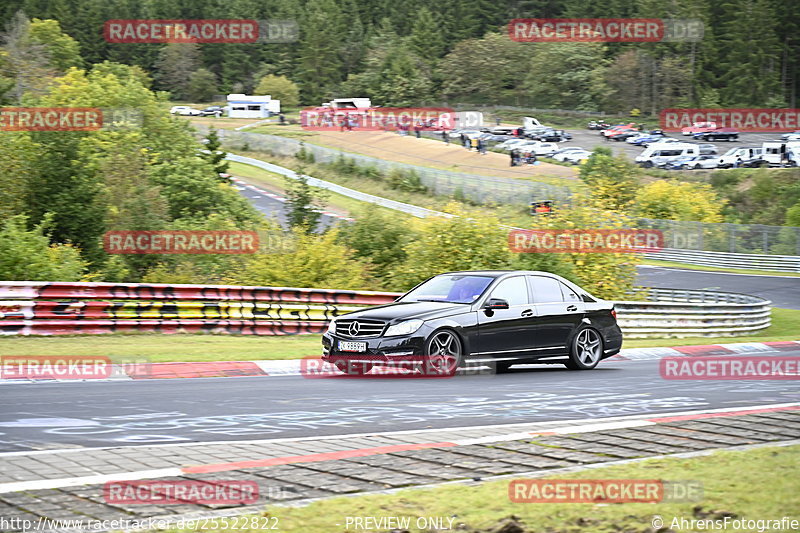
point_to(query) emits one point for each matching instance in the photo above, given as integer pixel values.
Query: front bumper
(380, 350)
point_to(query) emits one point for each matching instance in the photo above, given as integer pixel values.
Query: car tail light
(614, 313)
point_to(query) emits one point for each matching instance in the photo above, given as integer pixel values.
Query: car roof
(498, 273)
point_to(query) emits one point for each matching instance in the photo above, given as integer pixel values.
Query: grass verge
(507, 214)
(160, 348)
(685, 266)
(753, 484)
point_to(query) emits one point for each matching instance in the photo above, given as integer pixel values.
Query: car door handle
(572, 308)
(527, 312)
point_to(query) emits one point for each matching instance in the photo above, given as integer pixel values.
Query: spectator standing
(446, 136)
(482, 146)
(474, 144)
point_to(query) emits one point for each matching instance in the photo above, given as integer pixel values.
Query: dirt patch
(432, 153)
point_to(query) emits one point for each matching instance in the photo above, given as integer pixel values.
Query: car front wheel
(587, 348)
(444, 353)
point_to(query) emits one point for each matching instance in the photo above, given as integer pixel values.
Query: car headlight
(404, 328)
(332, 326)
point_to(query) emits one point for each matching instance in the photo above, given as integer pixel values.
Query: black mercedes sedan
(497, 317)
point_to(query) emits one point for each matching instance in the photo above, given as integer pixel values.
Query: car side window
(513, 290)
(546, 290)
(569, 294)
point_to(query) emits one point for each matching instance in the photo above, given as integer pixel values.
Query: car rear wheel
(587, 348)
(444, 353)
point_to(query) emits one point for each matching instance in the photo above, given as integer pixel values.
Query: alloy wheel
(444, 353)
(589, 347)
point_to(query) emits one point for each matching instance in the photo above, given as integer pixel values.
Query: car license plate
(350, 346)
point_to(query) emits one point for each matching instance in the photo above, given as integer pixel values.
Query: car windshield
(453, 288)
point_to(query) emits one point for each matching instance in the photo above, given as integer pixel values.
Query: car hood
(399, 311)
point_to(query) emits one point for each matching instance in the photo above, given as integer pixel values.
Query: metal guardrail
(778, 263)
(675, 313)
(68, 308)
(744, 239)
(475, 187)
(414, 210)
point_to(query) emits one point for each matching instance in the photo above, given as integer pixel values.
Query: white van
(777, 153)
(657, 154)
(745, 153)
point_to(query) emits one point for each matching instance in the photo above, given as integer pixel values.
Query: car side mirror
(495, 303)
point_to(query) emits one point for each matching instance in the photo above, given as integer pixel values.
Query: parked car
(553, 136)
(693, 162)
(780, 153)
(645, 139)
(577, 157)
(708, 149)
(698, 127)
(659, 154)
(625, 135)
(617, 130)
(510, 144)
(531, 133)
(793, 136)
(184, 110)
(498, 317)
(542, 148)
(736, 156)
(717, 134)
(214, 110)
(598, 125)
(559, 155)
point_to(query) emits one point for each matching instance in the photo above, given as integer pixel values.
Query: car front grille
(359, 329)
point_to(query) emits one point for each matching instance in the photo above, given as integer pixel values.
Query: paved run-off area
(45, 485)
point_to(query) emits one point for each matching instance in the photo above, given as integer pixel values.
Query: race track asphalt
(782, 291)
(96, 414)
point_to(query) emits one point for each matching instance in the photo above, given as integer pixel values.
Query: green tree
(26, 63)
(27, 255)
(304, 203)
(279, 88)
(317, 260)
(202, 85)
(612, 181)
(63, 50)
(488, 69)
(465, 242)
(216, 156)
(427, 39)
(378, 237)
(319, 60)
(566, 75)
(174, 67)
(676, 200)
(16, 167)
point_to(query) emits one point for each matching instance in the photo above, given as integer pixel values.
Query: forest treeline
(418, 52)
